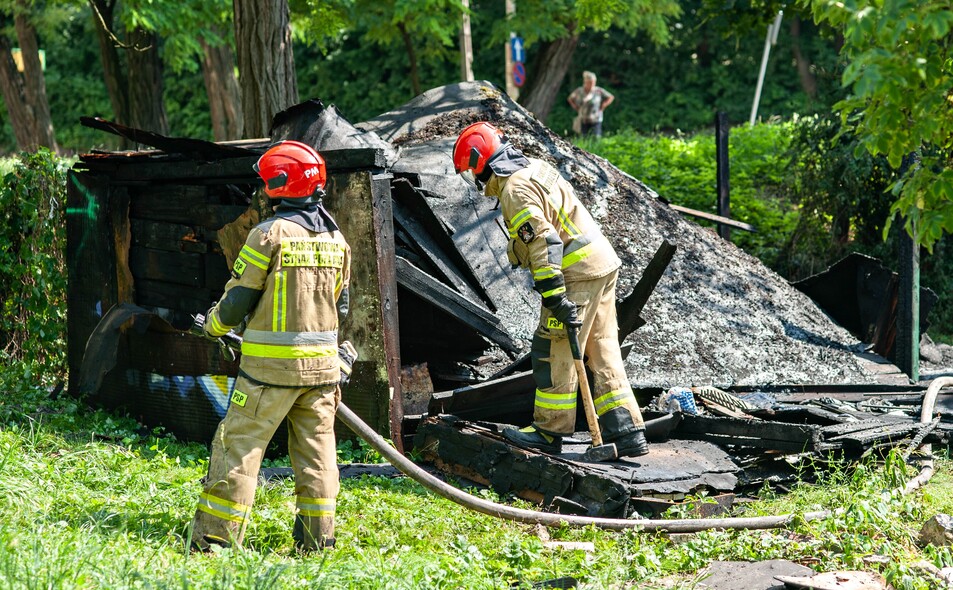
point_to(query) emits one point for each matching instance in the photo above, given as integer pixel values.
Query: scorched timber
(472, 314)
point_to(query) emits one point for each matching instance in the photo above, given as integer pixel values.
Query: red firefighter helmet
(291, 170)
(475, 145)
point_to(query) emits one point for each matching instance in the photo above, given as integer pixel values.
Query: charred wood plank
(173, 237)
(797, 414)
(423, 242)
(759, 434)
(182, 204)
(195, 148)
(217, 271)
(416, 205)
(181, 268)
(172, 296)
(880, 433)
(534, 476)
(453, 303)
(837, 431)
(500, 397)
(159, 167)
(628, 309)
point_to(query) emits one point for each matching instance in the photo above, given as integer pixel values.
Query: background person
(589, 101)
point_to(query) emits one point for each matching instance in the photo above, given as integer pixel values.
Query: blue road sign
(516, 47)
(519, 73)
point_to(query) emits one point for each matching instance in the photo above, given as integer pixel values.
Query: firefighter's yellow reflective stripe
(557, 291)
(544, 273)
(223, 508)
(315, 506)
(613, 399)
(254, 258)
(338, 284)
(279, 320)
(555, 401)
(278, 351)
(216, 328)
(291, 338)
(577, 255)
(518, 220)
(312, 252)
(345, 367)
(568, 226)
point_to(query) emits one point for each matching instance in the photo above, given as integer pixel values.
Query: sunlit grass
(91, 500)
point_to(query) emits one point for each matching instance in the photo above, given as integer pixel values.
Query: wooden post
(908, 307)
(466, 45)
(721, 157)
(360, 203)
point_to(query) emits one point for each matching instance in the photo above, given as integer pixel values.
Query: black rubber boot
(632, 444)
(534, 438)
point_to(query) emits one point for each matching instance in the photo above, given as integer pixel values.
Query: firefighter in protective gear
(574, 268)
(291, 280)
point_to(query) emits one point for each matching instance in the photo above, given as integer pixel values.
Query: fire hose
(502, 511)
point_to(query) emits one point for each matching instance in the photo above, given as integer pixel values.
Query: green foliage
(358, 451)
(841, 197)
(710, 64)
(900, 77)
(33, 273)
(682, 170)
(92, 500)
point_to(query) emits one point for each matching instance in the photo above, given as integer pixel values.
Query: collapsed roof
(718, 316)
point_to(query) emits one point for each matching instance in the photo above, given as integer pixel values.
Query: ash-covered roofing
(718, 316)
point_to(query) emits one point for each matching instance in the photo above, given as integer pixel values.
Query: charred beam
(453, 303)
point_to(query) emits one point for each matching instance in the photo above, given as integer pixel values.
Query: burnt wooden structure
(160, 230)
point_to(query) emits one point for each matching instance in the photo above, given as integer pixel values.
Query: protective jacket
(294, 282)
(551, 232)
(554, 236)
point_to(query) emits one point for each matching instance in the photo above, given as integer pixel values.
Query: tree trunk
(146, 106)
(549, 69)
(265, 62)
(808, 80)
(411, 57)
(224, 95)
(14, 95)
(115, 78)
(34, 84)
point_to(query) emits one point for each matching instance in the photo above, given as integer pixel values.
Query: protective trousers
(555, 373)
(253, 416)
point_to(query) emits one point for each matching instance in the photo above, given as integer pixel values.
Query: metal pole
(511, 90)
(770, 39)
(466, 45)
(721, 160)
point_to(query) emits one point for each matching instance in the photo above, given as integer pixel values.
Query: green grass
(91, 500)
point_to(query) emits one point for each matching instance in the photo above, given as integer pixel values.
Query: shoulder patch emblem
(526, 232)
(239, 269)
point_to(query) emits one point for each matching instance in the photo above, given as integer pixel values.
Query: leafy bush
(799, 183)
(33, 273)
(682, 170)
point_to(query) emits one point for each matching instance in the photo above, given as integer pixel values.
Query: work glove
(347, 354)
(564, 310)
(229, 344)
(198, 327)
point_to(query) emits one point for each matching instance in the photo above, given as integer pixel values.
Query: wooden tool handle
(587, 402)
